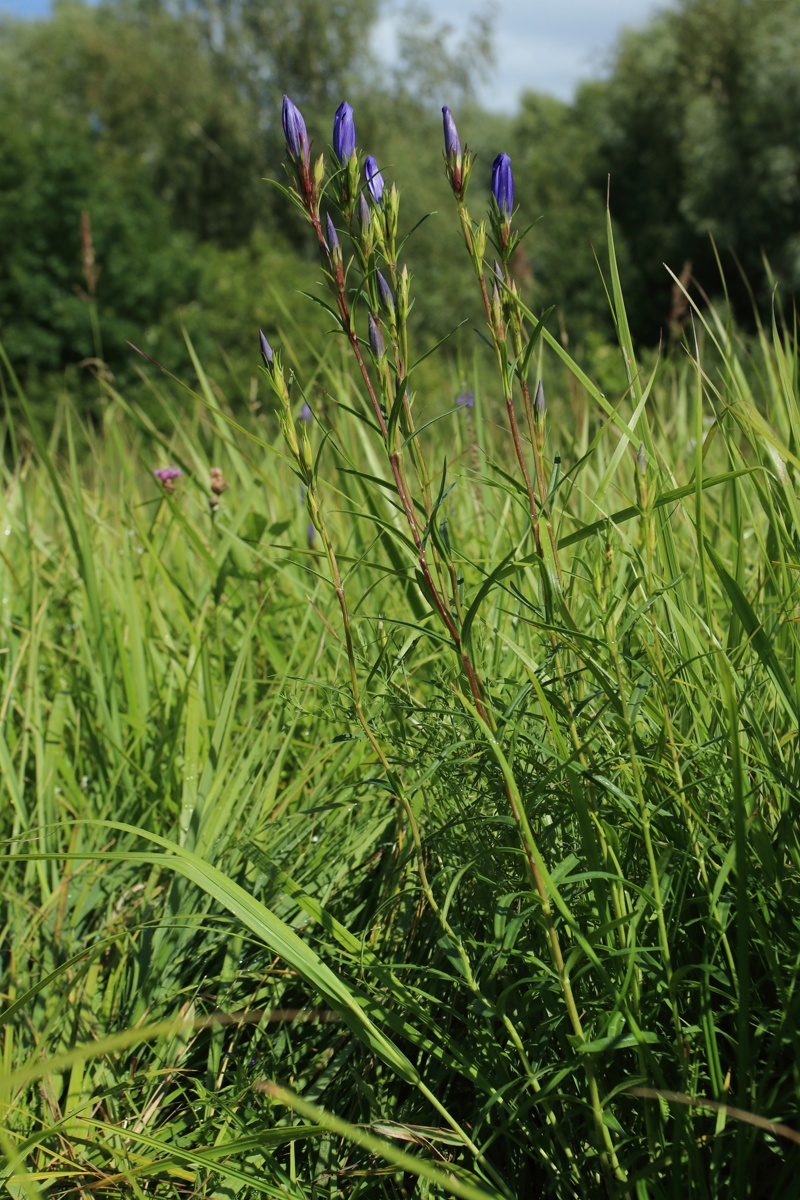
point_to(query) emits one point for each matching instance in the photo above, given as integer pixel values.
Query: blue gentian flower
(344, 132)
(385, 293)
(452, 145)
(294, 128)
(375, 339)
(374, 179)
(330, 229)
(503, 185)
(266, 350)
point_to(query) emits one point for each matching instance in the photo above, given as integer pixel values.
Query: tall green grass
(287, 911)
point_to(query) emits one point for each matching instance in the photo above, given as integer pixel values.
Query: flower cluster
(166, 476)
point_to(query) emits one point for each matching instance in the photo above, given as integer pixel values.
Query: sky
(547, 45)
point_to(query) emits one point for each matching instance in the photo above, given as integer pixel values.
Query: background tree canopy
(162, 120)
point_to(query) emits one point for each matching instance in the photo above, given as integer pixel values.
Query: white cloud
(548, 45)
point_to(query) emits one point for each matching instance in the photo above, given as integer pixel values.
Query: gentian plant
(372, 276)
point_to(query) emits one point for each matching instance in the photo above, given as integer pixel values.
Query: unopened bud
(305, 449)
(319, 174)
(294, 128)
(391, 210)
(480, 242)
(218, 481)
(497, 314)
(367, 236)
(374, 179)
(375, 339)
(403, 290)
(266, 350)
(344, 133)
(290, 437)
(385, 293)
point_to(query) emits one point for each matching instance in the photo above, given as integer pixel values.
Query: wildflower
(266, 350)
(503, 185)
(166, 476)
(294, 128)
(452, 145)
(218, 481)
(365, 221)
(306, 414)
(458, 162)
(333, 237)
(218, 484)
(344, 132)
(539, 404)
(385, 293)
(375, 339)
(466, 398)
(374, 179)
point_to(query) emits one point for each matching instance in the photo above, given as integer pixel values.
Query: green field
(416, 815)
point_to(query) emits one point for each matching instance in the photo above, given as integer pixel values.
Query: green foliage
(98, 129)
(698, 128)
(528, 932)
(555, 156)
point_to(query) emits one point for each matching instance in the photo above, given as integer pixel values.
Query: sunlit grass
(218, 877)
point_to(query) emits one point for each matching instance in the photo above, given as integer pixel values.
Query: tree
(554, 155)
(139, 132)
(699, 128)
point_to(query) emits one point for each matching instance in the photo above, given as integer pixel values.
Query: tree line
(136, 137)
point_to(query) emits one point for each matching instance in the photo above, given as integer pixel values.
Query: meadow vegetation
(399, 751)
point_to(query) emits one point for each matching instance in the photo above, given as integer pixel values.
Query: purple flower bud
(375, 339)
(452, 146)
(503, 185)
(306, 414)
(385, 293)
(498, 270)
(330, 229)
(539, 404)
(374, 179)
(294, 128)
(266, 350)
(344, 132)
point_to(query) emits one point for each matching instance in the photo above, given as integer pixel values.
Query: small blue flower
(503, 185)
(452, 145)
(330, 229)
(266, 350)
(294, 128)
(375, 339)
(344, 132)
(385, 293)
(539, 403)
(306, 414)
(467, 397)
(374, 179)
